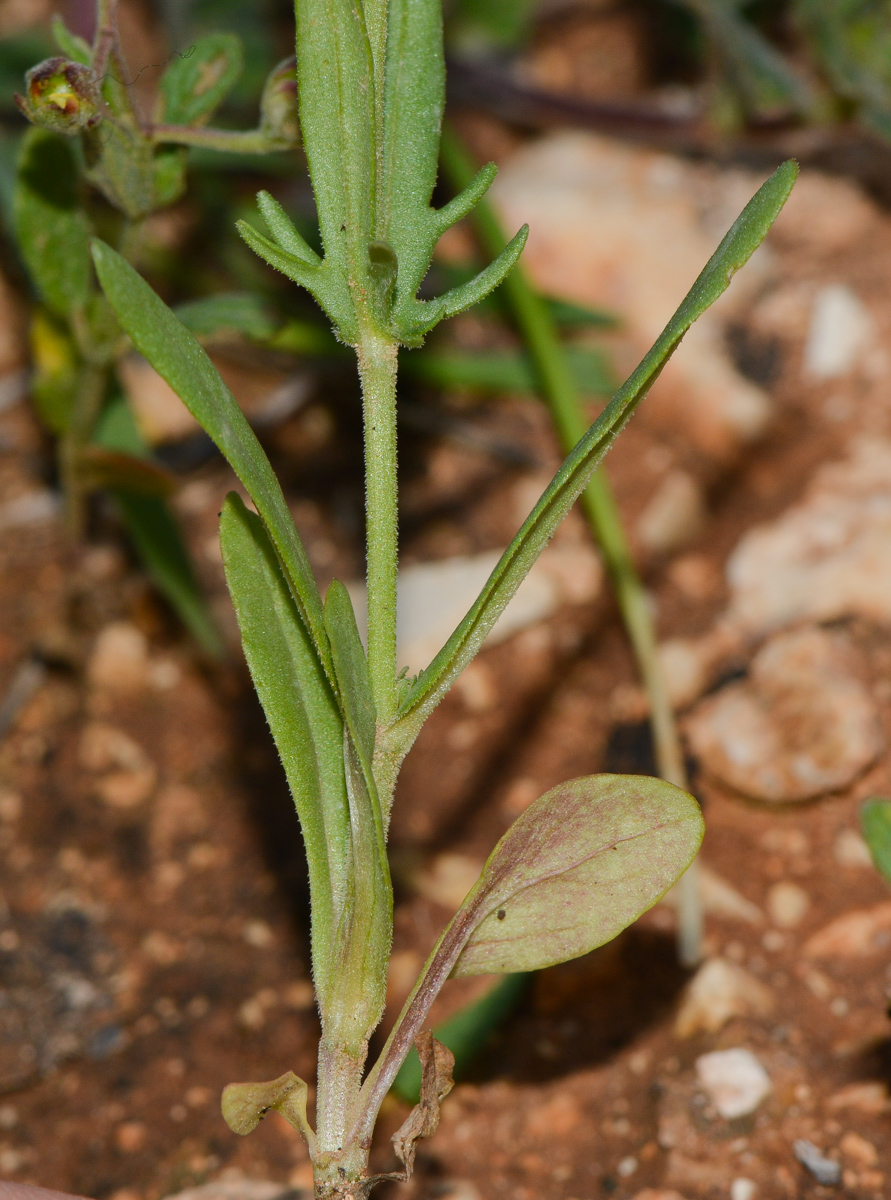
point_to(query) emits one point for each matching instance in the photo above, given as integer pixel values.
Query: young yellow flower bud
(61, 95)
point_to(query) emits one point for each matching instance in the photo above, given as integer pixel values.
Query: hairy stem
(248, 141)
(558, 389)
(377, 371)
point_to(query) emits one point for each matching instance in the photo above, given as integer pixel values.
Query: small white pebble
(258, 933)
(743, 1189)
(9, 1116)
(627, 1167)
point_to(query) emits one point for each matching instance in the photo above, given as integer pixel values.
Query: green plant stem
(377, 370)
(90, 394)
(236, 141)
(540, 334)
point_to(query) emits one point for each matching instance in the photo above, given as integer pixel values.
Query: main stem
(377, 370)
(559, 391)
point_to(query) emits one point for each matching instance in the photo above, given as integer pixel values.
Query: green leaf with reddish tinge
(875, 821)
(581, 863)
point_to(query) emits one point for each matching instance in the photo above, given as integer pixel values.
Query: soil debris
(718, 992)
(734, 1080)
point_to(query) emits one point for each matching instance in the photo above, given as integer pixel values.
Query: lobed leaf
(51, 226)
(195, 84)
(743, 238)
(875, 821)
(178, 357)
(580, 864)
(303, 716)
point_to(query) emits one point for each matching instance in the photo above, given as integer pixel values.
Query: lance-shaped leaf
(303, 716)
(179, 358)
(51, 227)
(335, 88)
(741, 241)
(875, 821)
(245, 1105)
(580, 864)
(196, 83)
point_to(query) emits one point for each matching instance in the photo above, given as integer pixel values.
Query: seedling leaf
(875, 821)
(580, 864)
(741, 241)
(245, 1105)
(178, 357)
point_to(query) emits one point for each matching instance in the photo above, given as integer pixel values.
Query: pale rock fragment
(435, 596)
(236, 1189)
(787, 904)
(801, 725)
(841, 330)
(37, 507)
(857, 934)
(824, 558)
(870, 1099)
(627, 229)
(742, 1188)
(128, 774)
(674, 516)
(825, 1170)
(718, 992)
(160, 414)
(851, 850)
(856, 1148)
(734, 1081)
(448, 878)
(721, 899)
(119, 659)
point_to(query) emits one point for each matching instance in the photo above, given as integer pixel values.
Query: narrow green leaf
(335, 86)
(465, 1033)
(282, 229)
(195, 84)
(875, 821)
(51, 227)
(351, 669)
(743, 238)
(177, 357)
(233, 312)
(413, 107)
(580, 864)
(304, 718)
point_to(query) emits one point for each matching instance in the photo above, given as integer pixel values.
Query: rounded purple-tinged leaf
(580, 864)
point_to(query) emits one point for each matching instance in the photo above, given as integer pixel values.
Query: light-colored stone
(718, 992)
(734, 1081)
(824, 558)
(870, 1099)
(787, 904)
(825, 1170)
(742, 1188)
(801, 725)
(435, 596)
(857, 934)
(674, 516)
(119, 659)
(628, 229)
(721, 899)
(841, 331)
(851, 850)
(33, 508)
(857, 1149)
